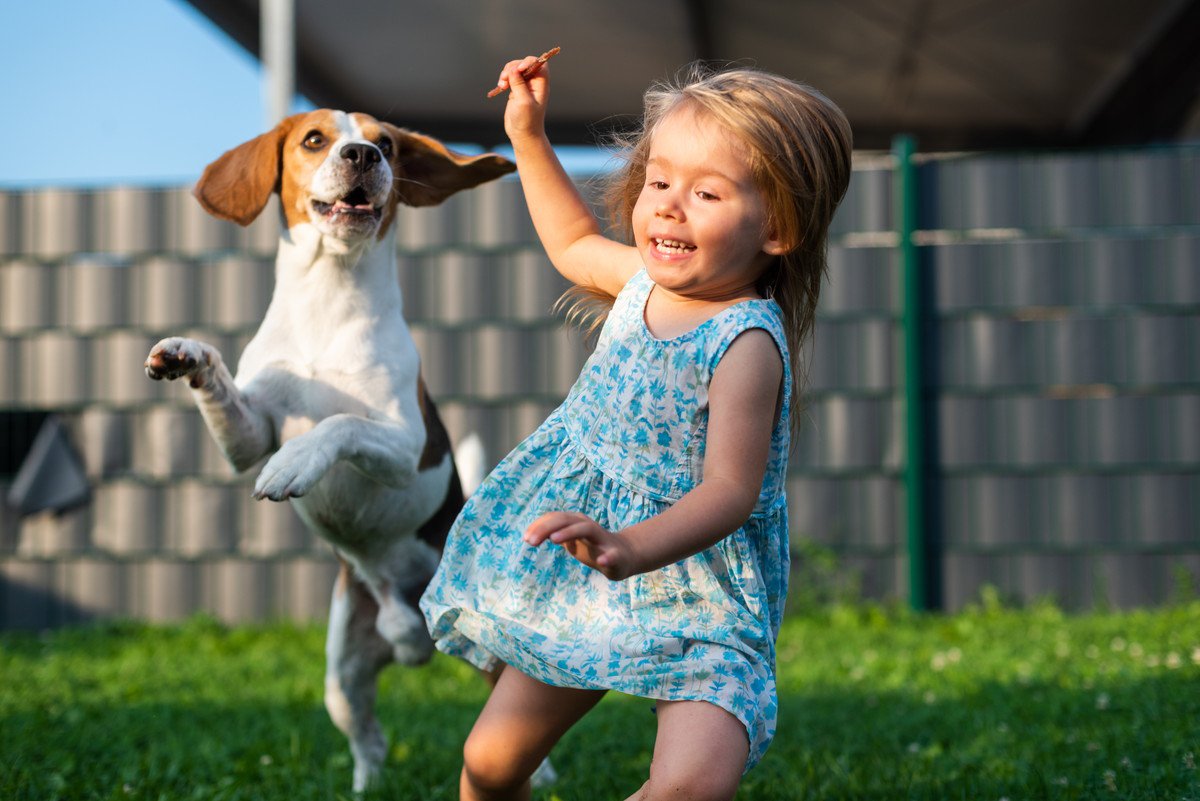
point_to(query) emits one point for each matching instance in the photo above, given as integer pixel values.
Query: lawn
(991, 703)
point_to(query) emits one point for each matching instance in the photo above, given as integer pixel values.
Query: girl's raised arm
(565, 224)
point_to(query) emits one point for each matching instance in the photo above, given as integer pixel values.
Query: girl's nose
(667, 208)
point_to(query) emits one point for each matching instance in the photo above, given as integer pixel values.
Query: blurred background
(1005, 382)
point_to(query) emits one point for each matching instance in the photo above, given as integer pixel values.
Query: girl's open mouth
(671, 247)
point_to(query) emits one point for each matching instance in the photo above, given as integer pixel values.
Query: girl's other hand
(525, 112)
(585, 540)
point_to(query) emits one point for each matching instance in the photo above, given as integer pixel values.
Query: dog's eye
(314, 141)
(385, 146)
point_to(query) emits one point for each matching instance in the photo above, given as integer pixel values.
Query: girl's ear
(774, 246)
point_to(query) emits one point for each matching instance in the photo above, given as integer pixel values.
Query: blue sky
(119, 91)
(134, 92)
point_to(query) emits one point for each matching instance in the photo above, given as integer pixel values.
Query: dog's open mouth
(354, 203)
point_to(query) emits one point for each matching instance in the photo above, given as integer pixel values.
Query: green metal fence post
(903, 147)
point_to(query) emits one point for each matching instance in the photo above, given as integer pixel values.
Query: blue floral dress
(626, 443)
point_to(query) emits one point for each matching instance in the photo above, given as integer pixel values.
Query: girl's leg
(544, 775)
(699, 754)
(521, 721)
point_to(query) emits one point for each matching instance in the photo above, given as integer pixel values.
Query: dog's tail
(471, 460)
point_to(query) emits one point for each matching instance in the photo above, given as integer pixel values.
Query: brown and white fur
(329, 390)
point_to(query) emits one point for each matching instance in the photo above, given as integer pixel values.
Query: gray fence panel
(1065, 383)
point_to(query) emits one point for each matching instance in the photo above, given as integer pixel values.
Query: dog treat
(532, 70)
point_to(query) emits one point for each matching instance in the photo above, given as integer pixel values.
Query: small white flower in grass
(1126, 763)
(1062, 650)
(914, 748)
(1062, 781)
(1196, 655)
(1189, 760)
(1093, 746)
(930, 697)
(265, 760)
(1110, 780)
(954, 655)
(1102, 701)
(1136, 650)
(1118, 644)
(1092, 652)
(938, 662)
(1174, 661)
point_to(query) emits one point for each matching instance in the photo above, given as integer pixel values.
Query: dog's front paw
(293, 469)
(176, 357)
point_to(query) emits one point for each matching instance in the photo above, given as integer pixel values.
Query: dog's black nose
(362, 155)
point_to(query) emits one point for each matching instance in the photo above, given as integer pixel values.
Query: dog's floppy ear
(238, 185)
(428, 173)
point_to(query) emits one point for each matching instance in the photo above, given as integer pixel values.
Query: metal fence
(1059, 300)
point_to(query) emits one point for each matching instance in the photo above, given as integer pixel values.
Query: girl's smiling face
(700, 222)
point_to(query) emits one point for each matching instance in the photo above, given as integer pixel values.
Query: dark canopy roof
(955, 73)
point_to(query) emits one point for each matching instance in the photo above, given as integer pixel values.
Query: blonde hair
(799, 147)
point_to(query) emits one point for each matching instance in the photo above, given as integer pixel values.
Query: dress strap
(764, 314)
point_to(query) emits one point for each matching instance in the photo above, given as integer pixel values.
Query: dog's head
(342, 173)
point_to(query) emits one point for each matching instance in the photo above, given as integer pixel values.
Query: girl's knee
(490, 764)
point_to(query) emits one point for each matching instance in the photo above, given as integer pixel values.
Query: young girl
(637, 541)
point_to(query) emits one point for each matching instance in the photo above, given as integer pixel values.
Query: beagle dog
(329, 390)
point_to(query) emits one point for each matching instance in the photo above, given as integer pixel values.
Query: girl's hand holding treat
(528, 82)
(528, 69)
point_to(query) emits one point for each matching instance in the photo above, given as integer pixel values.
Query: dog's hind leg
(354, 654)
(403, 626)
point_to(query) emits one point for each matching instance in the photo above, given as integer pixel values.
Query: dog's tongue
(354, 200)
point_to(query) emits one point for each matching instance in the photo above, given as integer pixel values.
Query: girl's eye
(658, 184)
(706, 195)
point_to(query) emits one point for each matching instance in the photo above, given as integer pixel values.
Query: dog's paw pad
(173, 358)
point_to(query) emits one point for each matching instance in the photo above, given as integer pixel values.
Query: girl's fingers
(546, 525)
(502, 82)
(518, 82)
(579, 530)
(579, 536)
(513, 74)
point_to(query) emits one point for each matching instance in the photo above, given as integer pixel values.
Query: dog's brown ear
(238, 185)
(428, 172)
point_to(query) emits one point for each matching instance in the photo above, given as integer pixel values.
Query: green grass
(989, 704)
